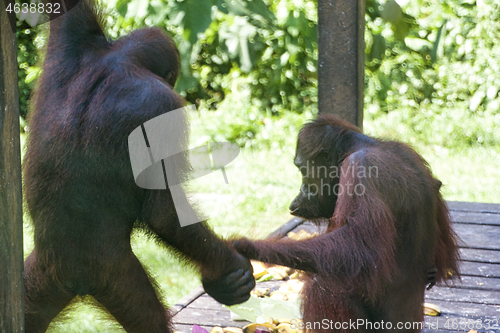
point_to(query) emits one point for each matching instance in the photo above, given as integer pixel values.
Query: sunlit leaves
(193, 16)
(236, 37)
(138, 8)
(418, 44)
(443, 71)
(257, 9)
(391, 11)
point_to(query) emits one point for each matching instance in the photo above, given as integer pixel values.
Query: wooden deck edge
(477, 207)
(186, 300)
(198, 291)
(296, 221)
(286, 228)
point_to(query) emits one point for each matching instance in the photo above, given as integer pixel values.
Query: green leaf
(476, 100)
(297, 24)
(439, 38)
(284, 58)
(418, 44)
(138, 9)
(158, 12)
(251, 8)
(185, 82)
(391, 11)
(222, 6)
(193, 16)
(33, 73)
(122, 7)
(185, 49)
(236, 38)
(378, 47)
(33, 19)
(401, 28)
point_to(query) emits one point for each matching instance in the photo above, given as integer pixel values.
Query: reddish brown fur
(372, 262)
(79, 186)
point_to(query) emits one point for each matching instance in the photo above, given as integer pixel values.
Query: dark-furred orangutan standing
(79, 185)
(388, 228)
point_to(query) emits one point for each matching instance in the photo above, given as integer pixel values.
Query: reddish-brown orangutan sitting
(388, 228)
(79, 184)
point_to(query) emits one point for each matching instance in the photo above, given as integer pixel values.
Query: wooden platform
(473, 303)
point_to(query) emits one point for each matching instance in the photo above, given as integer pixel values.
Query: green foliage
(26, 60)
(431, 65)
(239, 120)
(433, 71)
(273, 46)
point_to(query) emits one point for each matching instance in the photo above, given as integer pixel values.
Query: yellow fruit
(286, 328)
(250, 328)
(431, 309)
(301, 235)
(261, 292)
(278, 272)
(232, 330)
(217, 329)
(291, 286)
(259, 269)
(296, 275)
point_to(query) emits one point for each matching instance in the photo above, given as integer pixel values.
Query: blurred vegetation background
(432, 79)
(432, 67)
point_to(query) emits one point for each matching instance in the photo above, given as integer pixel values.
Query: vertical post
(341, 58)
(11, 218)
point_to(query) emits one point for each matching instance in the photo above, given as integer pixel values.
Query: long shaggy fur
(78, 181)
(372, 262)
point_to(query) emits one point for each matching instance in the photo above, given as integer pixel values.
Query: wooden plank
(208, 317)
(480, 269)
(477, 296)
(188, 299)
(198, 291)
(189, 328)
(475, 218)
(310, 227)
(473, 207)
(466, 309)
(341, 58)
(459, 324)
(428, 330)
(286, 228)
(486, 256)
(11, 215)
(479, 283)
(463, 295)
(207, 302)
(478, 236)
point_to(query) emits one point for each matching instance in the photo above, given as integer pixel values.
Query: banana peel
(279, 272)
(252, 328)
(431, 310)
(232, 330)
(301, 235)
(286, 328)
(291, 286)
(287, 290)
(280, 325)
(296, 275)
(259, 269)
(261, 292)
(217, 329)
